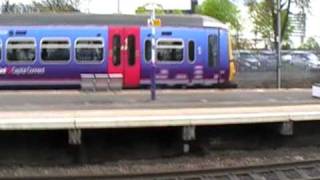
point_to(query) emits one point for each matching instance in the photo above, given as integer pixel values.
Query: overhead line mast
(278, 9)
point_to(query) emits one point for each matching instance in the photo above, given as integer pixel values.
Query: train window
(55, 50)
(213, 51)
(21, 50)
(148, 50)
(191, 48)
(116, 50)
(170, 50)
(89, 50)
(131, 50)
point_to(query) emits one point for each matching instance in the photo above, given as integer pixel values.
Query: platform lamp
(118, 6)
(153, 22)
(278, 12)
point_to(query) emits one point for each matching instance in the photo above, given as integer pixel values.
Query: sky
(129, 6)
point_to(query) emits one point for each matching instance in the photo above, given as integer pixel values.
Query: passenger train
(54, 50)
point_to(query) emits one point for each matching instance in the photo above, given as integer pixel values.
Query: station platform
(59, 110)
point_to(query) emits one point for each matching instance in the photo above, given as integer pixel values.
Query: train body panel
(224, 55)
(193, 67)
(172, 67)
(51, 68)
(59, 54)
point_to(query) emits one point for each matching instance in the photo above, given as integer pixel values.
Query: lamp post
(118, 6)
(153, 22)
(153, 56)
(88, 6)
(279, 43)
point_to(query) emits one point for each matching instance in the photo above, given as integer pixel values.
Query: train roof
(96, 19)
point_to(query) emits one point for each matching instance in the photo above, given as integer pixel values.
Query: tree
(8, 8)
(144, 10)
(262, 19)
(264, 15)
(310, 44)
(141, 10)
(223, 10)
(42, 6)
(57, 5)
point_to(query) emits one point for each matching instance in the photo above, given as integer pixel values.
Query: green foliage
(143, 10)
(286, 45)
(177, 11)
(262, 15)
(57, 5)
(223, 10)
(310, 44)
(262, 19)
(41, 6)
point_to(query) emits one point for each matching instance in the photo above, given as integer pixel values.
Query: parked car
(306, 60)
(313, 63)
(268, 60)
(247, 61)
(286, 57)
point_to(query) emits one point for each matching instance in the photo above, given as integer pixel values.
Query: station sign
(155, 22)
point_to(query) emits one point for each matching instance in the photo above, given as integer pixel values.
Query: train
(56, 49)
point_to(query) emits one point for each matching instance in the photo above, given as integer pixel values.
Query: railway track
(304, 170)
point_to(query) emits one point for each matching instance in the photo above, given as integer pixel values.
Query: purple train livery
(54, 50)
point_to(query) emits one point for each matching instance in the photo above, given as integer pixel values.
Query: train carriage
(55, 50)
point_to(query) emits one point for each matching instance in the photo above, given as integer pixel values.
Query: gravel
(214, 159)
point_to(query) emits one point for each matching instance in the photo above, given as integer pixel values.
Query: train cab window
(213, 51)
(191, 49)
(170, 50)
(55, 50)
(89, 50)
(116, 50)
(131, 50)
(21, 50)
(147, 50)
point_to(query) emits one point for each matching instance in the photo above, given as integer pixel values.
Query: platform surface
(35, 110)
(140, 99)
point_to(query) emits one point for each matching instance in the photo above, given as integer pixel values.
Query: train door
(124, 54)
(213, 57)
(213, 50)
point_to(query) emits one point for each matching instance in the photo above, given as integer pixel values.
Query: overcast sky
(129, 6)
